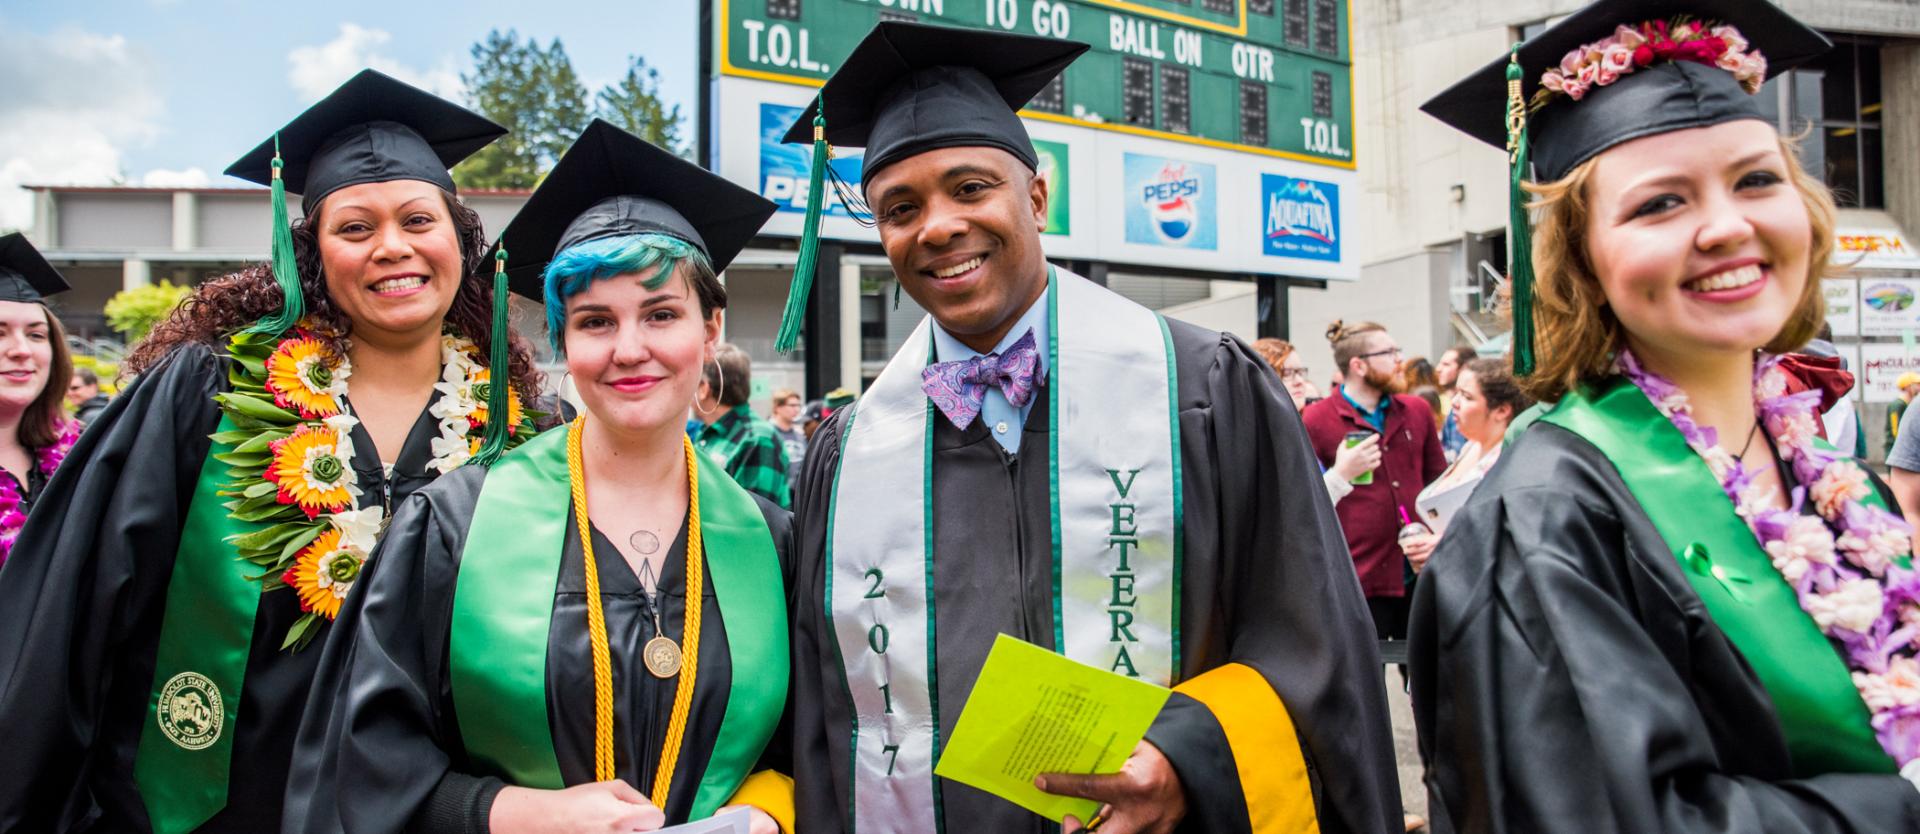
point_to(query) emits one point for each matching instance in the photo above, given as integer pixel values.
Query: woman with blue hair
(591, 634)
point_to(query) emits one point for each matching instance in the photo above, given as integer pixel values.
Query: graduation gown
(380, 750)
(1566, 676)
(1267, 583)
(82, 599)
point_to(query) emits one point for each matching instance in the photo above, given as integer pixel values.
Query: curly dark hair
(221, 306)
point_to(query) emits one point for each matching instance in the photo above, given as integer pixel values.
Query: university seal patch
(190, 712)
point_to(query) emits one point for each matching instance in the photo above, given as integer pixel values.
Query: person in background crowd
(1416, 372)
(1447, 372)
(1349, 462)
(83, 393)
(322, 388)
(1669, 608)
(812, 415)
(1905, 387)
(1410, 458)
(1485, 400)
(35, 434)
(746, 446)
(793, 437)
(1431, 395)
(1903, 461)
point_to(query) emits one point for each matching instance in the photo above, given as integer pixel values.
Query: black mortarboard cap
(612, 183)
(24, 274)
(908, 88)
(372, 129)
(1661, 98)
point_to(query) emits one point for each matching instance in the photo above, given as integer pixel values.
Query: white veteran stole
(1115, 499)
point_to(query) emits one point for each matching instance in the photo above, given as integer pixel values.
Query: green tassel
(1520, 231)
(286, 269)
(802, 284)
(499, 376)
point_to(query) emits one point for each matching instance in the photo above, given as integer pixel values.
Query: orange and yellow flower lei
(290, 459)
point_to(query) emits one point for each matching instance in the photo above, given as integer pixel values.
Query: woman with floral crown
(163, 605)
(591, 634)
(1671, 607)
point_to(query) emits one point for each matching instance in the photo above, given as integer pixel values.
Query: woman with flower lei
(170, 599)
(35, 431)
(1671, 607)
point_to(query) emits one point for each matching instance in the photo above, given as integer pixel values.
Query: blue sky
(167, 92)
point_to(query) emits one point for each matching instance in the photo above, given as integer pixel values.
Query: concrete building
(1438, 201)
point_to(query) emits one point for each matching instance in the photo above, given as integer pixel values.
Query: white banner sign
(1843, 306)
(1875, 249)
(1888, 306)
(1881, 364)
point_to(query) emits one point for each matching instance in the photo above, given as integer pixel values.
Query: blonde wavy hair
(1576, 333)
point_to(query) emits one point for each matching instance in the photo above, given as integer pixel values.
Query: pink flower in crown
(1854, 606)
(1575, 89)
(1683, 32)
(1570, 63)
(1731, 62)
(1898, 686)
(1735, 41)
(1752, 73)
(1589, 74)
(1628, 37)
(1554, 81)
(1603, 77)
(1805, 544)
(1842, 481)
(1618, 59)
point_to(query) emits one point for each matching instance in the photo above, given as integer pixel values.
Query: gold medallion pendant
(662, 657)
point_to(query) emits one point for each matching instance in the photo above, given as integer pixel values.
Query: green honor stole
(1821, 714)
(186, 745)
(1115, 500)
(503, 613)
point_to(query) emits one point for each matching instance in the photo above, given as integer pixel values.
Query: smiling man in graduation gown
(1046, 459)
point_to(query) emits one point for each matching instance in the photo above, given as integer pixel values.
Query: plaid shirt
(747, 447)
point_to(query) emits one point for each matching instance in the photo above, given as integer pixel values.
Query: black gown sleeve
(373, 746)
(1566, 679)
(1296, 617)
(815, 806)
(82, 595)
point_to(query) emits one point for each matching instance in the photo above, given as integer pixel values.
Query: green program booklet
(1033, 712)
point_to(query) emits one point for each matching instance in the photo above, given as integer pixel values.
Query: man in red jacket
(1410, 458)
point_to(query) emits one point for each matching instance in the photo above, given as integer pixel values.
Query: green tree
(134, 312)
(505, 86)
(633, 103)
(564, 111)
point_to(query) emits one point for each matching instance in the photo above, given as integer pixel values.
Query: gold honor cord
(597, 625)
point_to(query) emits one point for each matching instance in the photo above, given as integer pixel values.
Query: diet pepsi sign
(785, 169)
(1170, 202)
(1300, 218)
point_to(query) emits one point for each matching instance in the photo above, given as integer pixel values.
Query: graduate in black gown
(497, 675)
(1199, 553)
(35, 432)
(1670, 607)
(160, 613)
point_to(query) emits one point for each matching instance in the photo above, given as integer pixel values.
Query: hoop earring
(717, 397)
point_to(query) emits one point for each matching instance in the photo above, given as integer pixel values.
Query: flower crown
(1629, 48)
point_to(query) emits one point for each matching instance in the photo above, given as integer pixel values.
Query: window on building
(1529, 31)
(1834, 104)
(1263, 7)
(1253, 113)
(1326, 27)
(1136, 91)
(783, 9)
(1175, 113)
(1051, 98)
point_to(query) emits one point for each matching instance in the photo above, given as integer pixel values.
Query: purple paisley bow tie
(960, 388)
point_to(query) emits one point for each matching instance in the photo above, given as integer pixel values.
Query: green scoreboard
(1264, 77)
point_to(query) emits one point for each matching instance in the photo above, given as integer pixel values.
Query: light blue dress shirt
(1002, 420)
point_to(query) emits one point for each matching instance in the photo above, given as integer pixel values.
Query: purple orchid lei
(47, 459)
(1840, 561)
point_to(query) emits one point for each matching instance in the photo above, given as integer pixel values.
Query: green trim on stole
(1820, 712)
(503, 611)
(206, 636)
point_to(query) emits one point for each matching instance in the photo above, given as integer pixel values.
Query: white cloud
(164, 178)
(315, 71)
(73, 99)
